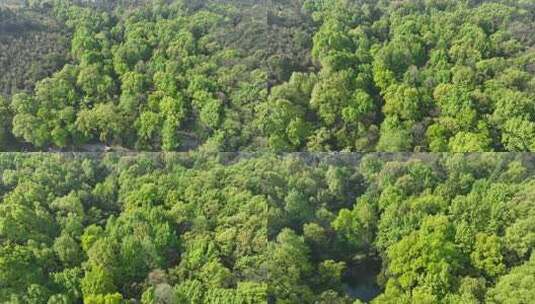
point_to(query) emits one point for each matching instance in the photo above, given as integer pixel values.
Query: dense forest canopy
(33, 45)
(265, 78)
(261, 228)
(157, 76)
(281, 75)
(444, 75)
